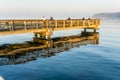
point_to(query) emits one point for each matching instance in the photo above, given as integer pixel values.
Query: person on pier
(83, 18)
(51, 18)
(69, 18)
(43, 18)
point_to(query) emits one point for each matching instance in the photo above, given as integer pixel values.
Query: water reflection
(31, 50)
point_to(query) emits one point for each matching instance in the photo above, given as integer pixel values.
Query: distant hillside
(107, 15)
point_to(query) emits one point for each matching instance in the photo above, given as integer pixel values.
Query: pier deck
(8, 27)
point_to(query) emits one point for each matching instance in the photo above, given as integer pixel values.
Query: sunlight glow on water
(1, 78)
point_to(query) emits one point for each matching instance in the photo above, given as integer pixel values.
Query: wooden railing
(13, 25)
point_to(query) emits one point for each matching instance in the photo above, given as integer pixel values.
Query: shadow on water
(12, 54)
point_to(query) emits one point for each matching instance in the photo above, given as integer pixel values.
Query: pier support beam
(77, 45)
(94, 30)
(85, 30)
(71, 45)
(12, 25)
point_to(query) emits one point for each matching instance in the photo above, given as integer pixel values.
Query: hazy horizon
(20, 9)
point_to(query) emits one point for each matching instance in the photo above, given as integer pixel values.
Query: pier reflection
(11, 54)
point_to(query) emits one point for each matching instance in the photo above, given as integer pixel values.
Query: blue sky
(56, 8)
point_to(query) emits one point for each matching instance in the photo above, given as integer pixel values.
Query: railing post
(83, 22)
(78, 23)
(9, 26)
(56, 24)
(91, 22)
(88, 23)
(12, 25)
(37, 24)
(47, 24)
(71, 24)
(25, 25)
(63, 23)
(96, 22)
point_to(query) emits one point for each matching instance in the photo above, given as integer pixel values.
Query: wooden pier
(25, 52)
(42, 42)
(39, 43)
(45, 27)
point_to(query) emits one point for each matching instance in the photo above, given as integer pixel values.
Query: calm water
(90, 62)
